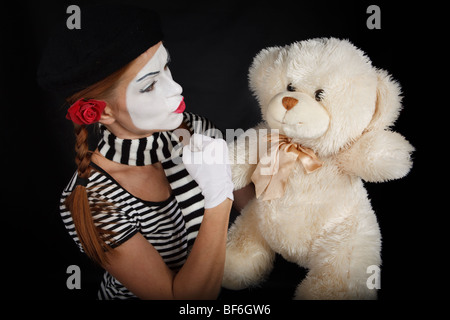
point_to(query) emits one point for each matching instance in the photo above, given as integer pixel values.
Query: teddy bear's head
(324, 93)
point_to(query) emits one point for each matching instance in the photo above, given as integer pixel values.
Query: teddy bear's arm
(377, 156)
(244, 156)
(241, 175)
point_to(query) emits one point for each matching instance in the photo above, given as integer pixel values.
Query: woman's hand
(206, 160)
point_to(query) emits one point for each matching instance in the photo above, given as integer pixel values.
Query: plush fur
(324, 221)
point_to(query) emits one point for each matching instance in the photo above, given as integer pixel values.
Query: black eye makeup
(149, 87)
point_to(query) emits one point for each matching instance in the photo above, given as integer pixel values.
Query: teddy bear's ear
(262, 70)
(388, 103)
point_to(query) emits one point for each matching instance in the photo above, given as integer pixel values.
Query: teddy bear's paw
(328, 288)
(378, 156)
(398, 156)
(241, 175)
(314, 288)
(244, 269)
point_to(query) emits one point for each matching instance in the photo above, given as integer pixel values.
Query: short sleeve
(117, 224)
(110, 212)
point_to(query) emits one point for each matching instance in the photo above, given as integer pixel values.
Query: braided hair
(92, 238)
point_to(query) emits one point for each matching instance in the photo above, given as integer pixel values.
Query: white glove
(206, 160)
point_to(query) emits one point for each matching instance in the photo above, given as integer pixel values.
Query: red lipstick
(181, 107)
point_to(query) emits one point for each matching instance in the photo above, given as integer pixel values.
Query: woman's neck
(147, 182)
(124, 133)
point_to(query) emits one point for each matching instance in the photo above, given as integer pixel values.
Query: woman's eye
(148, 88)
(318, 95)
(290, 87)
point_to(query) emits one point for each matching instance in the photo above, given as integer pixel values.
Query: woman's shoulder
(97, 177)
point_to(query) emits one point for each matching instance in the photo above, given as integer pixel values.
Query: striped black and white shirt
(171, 226)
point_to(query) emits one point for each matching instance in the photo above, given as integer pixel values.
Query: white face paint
(153, 98)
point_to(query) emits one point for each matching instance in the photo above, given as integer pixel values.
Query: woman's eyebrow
(147, 75)
(155, 72)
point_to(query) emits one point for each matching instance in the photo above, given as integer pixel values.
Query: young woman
(156, 224)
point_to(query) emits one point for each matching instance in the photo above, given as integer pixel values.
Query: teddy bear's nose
(289, 102)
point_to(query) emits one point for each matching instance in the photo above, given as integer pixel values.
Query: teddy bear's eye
(290, 87)
(318, 95)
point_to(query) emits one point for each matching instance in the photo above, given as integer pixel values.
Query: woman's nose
(173, 88)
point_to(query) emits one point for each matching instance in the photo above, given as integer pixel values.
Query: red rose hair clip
(86, 111)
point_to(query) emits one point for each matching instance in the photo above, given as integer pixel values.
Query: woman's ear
(107, 116)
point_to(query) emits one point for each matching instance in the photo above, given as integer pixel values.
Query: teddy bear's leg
(248, 257)
(343, 262)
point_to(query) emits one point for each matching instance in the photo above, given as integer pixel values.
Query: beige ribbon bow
(273, 169)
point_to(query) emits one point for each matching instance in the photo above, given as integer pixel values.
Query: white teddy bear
(332, 110)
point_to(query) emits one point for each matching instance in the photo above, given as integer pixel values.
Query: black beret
(110, 37)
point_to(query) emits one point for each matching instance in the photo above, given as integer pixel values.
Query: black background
(212, 45)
